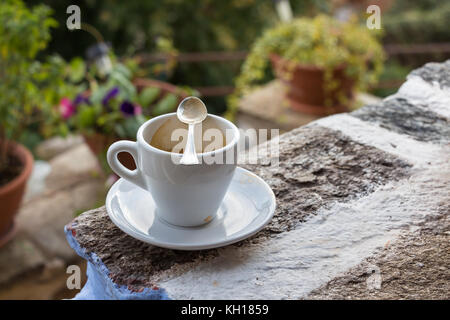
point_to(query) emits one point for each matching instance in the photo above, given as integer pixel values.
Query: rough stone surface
(44, 217)
(367, 133)
(346, 187)
(52, 147)
(36, 182)
(326, 245)
(413, 267)
(400, 115)
(130, 262)
(72, 167)
(317, 167)
(17, 257)
(435, 73)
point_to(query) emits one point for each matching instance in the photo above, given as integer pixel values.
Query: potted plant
(28, 91)
(321, 60)
(115, 107)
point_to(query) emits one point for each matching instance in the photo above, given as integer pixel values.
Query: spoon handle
(189, 156)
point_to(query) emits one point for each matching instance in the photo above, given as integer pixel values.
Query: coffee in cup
(171, 136)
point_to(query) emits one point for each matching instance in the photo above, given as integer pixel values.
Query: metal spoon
(191, 111)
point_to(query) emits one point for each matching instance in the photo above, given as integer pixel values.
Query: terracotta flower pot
(11, 193)
(306, 87)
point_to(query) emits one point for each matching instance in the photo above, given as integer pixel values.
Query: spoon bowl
(191, 111)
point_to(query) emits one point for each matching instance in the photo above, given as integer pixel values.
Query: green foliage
(136, 26)
(78, 68)
(167, 104)
(192, 26)
(320, 41)
(29, 88)
(421, 21)
(114, 106)
(148, 95)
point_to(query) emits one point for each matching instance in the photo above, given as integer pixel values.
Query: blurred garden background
(67, 94)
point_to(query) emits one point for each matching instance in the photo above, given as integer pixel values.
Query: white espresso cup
(184, 195)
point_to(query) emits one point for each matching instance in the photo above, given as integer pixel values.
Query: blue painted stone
(99, 285)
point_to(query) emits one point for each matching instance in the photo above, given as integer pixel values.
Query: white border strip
(364, 132)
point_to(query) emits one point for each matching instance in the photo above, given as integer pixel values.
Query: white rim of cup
(147, 145)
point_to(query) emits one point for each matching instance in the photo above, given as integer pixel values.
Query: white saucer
(248, 206)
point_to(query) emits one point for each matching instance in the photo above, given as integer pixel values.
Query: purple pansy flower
(66, 108)
(80, 99)
(129, 109)
(110, 95)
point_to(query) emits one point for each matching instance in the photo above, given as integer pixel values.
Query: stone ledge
(433, 72)
(318, 166)
(339, 198)
(420, 258)
(401, 116)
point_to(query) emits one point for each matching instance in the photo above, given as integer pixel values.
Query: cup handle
(134, 176)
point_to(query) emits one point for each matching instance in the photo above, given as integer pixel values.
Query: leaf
(125, 84)
(120, 131)
(86, 117)
(131, 126)
(30, 139)
(63, 129)
(166, 104)
(123, 70)
(108, 118)
(98, 94)
(148, 95)
(77, 69)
